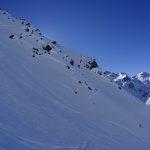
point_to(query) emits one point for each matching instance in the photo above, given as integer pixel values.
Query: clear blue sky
(115, 32)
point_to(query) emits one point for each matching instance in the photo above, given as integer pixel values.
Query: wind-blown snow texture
(52, 99)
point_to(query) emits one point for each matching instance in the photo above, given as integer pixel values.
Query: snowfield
(53, 99)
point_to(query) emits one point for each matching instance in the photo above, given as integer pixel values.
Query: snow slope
(57, 100)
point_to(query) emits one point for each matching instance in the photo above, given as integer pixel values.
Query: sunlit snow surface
(46, 106)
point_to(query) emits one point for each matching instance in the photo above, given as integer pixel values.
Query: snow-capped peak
(144, 77)
(123, 76)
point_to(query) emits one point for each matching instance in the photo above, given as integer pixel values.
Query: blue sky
(115, 32)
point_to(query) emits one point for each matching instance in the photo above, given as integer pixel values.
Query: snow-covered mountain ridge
(53, 99)
(138, 85)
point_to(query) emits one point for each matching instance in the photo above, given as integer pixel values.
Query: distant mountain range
(138, 85)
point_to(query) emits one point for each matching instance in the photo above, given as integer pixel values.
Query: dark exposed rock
(78, 66)
(35, 49)
(20, 37)
(91, 64)
(140, 125)
(145, 94)
(54, 42)
(127, 78)
(27, 29)
(11, 36)
(79, 82)
(119, 88)
(28, 24)
(90, 88)
(68, 67)
(47, 48)
(72, 62)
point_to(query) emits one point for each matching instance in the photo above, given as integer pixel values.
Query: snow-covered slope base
(51, 99)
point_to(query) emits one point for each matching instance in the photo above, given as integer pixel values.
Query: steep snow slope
(52, 99)
(138, 85)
